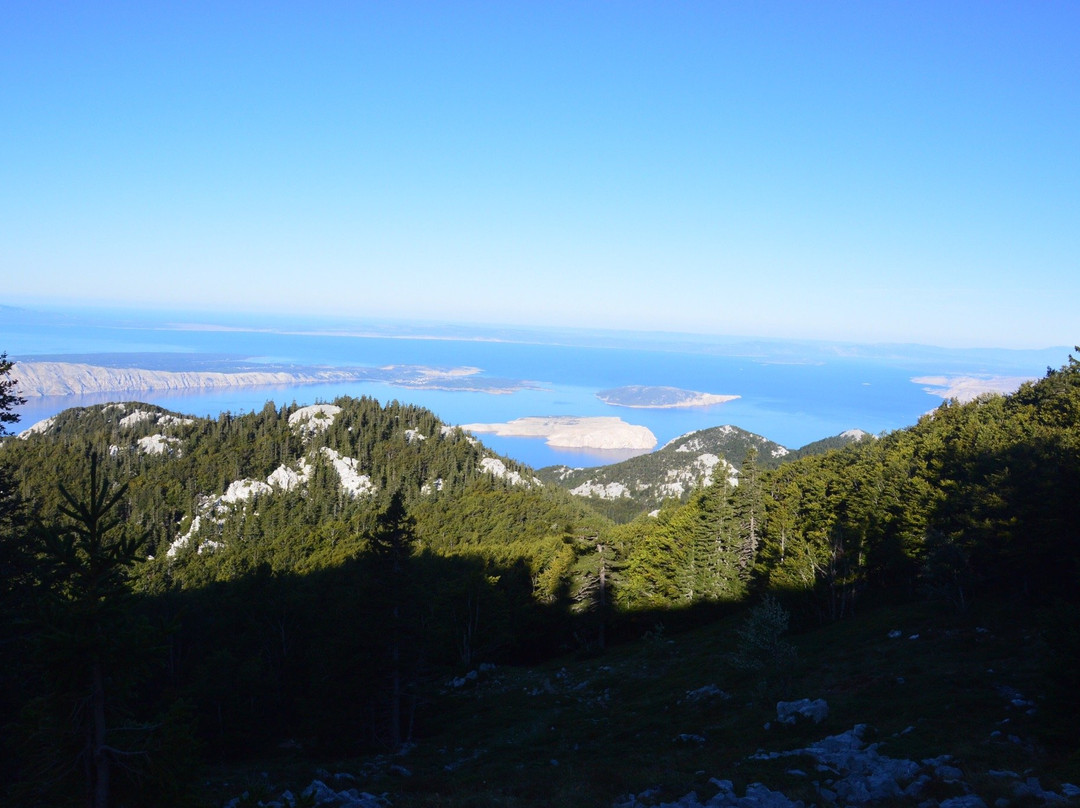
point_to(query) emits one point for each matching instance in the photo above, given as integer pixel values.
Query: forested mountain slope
(982, 497)
(690, 461)
(252, 484)
(288, 564)
(232, 584)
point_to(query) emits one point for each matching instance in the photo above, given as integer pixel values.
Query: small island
(643, 397)
(571, 432)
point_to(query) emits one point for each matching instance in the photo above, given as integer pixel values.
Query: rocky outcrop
(789, 712)
(318, 793)
(497, 468)
(212, 510)
(848, 771)
(313, 419)
(675, 469)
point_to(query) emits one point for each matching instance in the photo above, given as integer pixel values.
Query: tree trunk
(603, 596)
(395, 686)
(98, 753)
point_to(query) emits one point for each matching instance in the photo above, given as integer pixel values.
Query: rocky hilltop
(681, 465)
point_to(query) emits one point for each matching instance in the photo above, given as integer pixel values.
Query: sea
(790, 391)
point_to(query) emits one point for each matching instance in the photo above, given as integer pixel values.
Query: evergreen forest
(299, 584)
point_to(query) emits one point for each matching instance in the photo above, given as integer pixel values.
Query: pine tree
(749, 506)
(12, 555)
(9, 396)
(89, 610)
(707, 530)
(16, 580)
(391, 545)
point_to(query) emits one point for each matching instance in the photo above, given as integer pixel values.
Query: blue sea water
(790, 393)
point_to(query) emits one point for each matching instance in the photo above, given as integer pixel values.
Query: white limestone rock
(311, 420)
(158, 444)
(40, 428)
(353, 482)
(174, 420)
(241, 490)
(692, 445)
(495, 467)
(601, 491)
(431, 487)
(288, 479)
(137, 417)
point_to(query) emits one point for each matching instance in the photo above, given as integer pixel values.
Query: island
(78, 378)
(642, 397)
(571, 432)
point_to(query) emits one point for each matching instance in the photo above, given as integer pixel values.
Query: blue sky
(858, 171)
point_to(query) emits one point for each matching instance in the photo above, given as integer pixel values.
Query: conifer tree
(9, 395)
(89, 627)
(9, 506)
(15, 576)
(749, 506)
(391, 545)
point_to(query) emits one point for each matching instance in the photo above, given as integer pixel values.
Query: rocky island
(77, 378)
(643, 397)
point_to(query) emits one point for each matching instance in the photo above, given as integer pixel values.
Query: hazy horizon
(886, 173)
(387, 327)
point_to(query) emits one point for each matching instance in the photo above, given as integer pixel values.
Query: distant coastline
(38, 379)
(795, 404)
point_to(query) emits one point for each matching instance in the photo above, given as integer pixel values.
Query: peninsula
(968, 388)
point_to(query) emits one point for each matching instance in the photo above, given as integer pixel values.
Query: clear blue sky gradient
(860, 171)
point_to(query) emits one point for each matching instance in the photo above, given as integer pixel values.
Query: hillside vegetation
(178, 590)
(641, 484)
